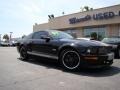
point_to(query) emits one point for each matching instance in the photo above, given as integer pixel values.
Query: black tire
(118, 53)
(23, 53)
(70, 59)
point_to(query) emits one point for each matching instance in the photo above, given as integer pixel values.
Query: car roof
(48, 30)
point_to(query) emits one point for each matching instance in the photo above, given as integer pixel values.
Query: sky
(19, 16)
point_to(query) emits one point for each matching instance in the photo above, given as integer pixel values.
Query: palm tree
(23, 36)
(6, 37)
(86, 8)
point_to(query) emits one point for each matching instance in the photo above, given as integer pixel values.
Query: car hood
(85, 43)
(113, 43)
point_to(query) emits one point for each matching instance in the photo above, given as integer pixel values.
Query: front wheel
(23, 53)
(118, 53)
(70, 59)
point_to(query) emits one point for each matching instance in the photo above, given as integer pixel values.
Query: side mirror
(46, 38)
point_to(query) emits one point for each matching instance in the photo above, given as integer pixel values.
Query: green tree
(94, 36)
(6, 37)
(23, 36)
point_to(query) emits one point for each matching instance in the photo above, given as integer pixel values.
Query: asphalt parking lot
(44, 74)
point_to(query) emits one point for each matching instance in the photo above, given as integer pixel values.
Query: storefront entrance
(98, 32)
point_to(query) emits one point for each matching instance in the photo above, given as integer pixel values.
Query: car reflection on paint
(71, 53)
(82, 38)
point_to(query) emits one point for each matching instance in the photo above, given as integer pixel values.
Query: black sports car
(115, 43)
(71, 53)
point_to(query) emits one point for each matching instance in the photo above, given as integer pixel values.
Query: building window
(72, 32)
(100, 32)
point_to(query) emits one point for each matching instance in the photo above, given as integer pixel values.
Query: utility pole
(0, 37)
(10, 36)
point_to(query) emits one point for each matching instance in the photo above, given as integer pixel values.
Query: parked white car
(4, 43)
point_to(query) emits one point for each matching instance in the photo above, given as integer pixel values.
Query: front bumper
(95, 61)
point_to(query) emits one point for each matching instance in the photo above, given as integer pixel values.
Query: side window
(38, 35)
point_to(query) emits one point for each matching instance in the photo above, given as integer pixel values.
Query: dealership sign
(98, 16)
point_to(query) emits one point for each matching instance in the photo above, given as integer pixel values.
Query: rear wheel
(70, 59)
(118, 53)
(23, 53)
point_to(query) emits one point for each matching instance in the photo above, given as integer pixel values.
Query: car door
(38, 42)
(42, 46)
(51, 47)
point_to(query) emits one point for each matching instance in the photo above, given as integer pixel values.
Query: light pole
(0, 37)
(10, 36)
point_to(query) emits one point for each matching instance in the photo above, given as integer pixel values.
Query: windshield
(60, 35)
(111, 40)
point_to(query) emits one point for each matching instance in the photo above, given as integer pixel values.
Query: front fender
(70, 45)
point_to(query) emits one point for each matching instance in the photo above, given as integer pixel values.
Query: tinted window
(38, 35)
(60, 35)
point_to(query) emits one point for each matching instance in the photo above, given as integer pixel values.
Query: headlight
(88, 50)
(114, 46)
(92, 50)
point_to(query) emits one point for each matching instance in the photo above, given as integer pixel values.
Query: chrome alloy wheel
(71, 60)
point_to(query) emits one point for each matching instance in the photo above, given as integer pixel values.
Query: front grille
(104, 50)
(100, 50)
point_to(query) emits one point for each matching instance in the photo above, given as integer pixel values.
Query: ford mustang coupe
(71, 53)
